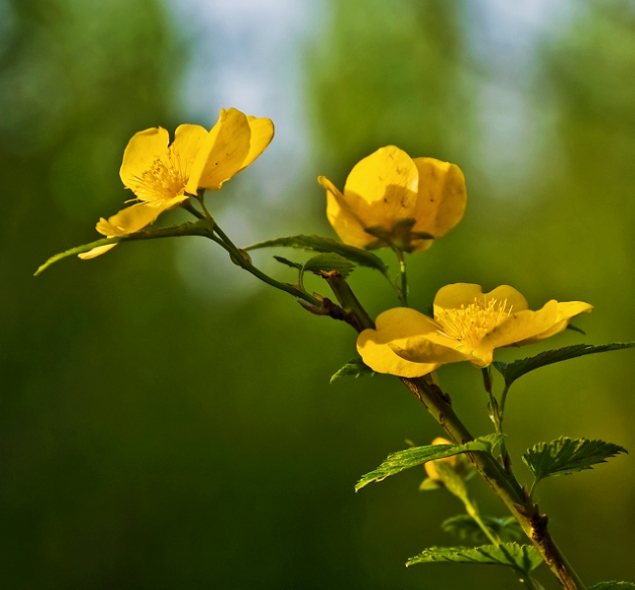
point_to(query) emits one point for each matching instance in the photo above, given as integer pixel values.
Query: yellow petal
(457, 294)
(424, 349)
(142, 150)
(188, 140)
(431, 470)
(261, 136)
(520, 326)
(131, 219)
(513, 298)
(441, 198)
(96, 252)
(222, 152)
(567, 310)
(400, 334)
(382, 188)
(345, 223)
(381, 359)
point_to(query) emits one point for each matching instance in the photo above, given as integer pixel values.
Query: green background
(156, 433)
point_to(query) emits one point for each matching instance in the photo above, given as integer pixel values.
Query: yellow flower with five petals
(467, 326)
(163, 175)
(391, 199)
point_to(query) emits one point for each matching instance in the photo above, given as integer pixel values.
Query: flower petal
(96, 252)
(423, 349)
(132, 219)
(518, 327)
(382, 188)
(188, 140)
(222, 152)
(381, 359)
(399, 345)
(441, 198)
(567, 310)
(142, 151)
(261, 136)
(457, 294)
(344, 221)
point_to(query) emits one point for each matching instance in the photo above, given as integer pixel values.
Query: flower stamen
(469, 324)
(162, 181)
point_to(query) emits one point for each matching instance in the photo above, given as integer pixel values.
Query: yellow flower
(430, 468)
(162, 176)
(467, 326)
(391, 199)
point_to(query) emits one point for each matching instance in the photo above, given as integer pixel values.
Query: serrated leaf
(565, 455)
(329, 262)
(522, 558)
(611, 586)
(402, 460)
(320, 244)
(288, 262)
(465, 528)
(516, 369)
(353, 368)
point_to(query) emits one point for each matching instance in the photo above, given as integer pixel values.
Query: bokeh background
(166, 422)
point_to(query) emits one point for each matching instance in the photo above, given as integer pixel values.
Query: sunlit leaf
(353, 368)
(522, 558)
(565, 455)
(320, 244)
(516, 369)
(401, 460)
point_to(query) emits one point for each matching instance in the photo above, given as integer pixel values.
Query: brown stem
(503, 483)
(505, 487)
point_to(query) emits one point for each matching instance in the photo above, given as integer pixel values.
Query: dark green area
(156, 437)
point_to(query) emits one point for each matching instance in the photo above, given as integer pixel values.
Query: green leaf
(329, 262)
(288, 262)
(353, 368)
(465, 528)
(512, 371)
(401, 460)
(429, 484)
(75, 251)
(320, 244)
(198, 228)
(611, 586)
(522, 558)
(565, 455)
(452, 481)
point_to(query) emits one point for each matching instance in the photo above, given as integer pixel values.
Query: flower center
(469, 325)
(165, 179)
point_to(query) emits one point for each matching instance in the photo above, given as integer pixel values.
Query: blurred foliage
(155, 438)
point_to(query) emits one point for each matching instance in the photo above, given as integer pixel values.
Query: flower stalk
(502, 482)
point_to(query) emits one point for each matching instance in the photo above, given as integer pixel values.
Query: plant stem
(502, 482)
(404, 277)
(472, 510)
(504, 485)
(244, 261)
(524, 577)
